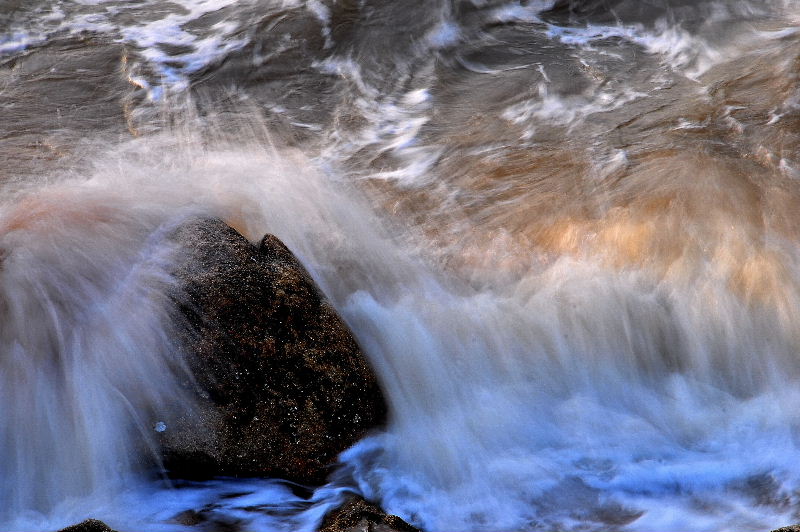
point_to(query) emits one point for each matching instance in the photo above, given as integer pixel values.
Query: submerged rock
(285, 386)
(90, 525)
(357, 515)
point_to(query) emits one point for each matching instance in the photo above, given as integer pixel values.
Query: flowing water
(566, 234)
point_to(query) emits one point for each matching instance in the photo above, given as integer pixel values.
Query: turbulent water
(566, 233)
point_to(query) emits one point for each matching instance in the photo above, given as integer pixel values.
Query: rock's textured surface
(287, 386)
(357, 515)
(90, 525)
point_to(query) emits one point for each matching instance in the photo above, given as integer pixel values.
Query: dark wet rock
(90, 525)
(357, 515)
(189, 518)
(207, 519)
(286, 386)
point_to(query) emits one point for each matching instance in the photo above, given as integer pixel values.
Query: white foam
(205, 47)
(516, 12)
(444, 35)
(395, 124)
(554, 109)
(323, 14)
(677, 48)
(17, 42)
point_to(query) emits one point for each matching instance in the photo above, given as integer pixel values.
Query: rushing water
(565, 233)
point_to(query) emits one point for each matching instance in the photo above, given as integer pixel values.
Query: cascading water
(84, 377)
(564, 233)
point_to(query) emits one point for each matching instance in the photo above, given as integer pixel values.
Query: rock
(90, 525)
(287, 387)
(357, 515)
(189, 518)
(791, 528)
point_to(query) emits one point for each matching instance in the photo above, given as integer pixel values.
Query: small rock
(90, 525)
(357, 515)
(189, 518)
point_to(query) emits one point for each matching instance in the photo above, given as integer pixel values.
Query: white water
(89, 364)
(570, 396)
